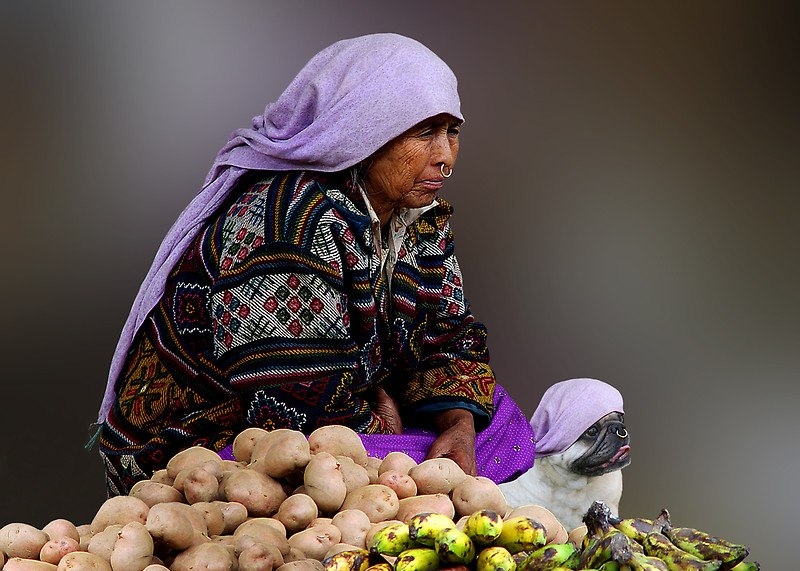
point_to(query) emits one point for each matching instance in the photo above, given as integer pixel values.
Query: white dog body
(567, 494)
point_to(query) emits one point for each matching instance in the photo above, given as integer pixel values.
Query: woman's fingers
(458, 444)
(387, 409)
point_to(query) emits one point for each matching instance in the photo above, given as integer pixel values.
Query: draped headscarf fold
(346, 103)
(567, 409)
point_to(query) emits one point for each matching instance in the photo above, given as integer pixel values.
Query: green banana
(520, 556)
(746, 566)
(706, 546)
(598, 548)
(656, 544)
(455, 546)
(630, 556)
(423, 528)
(483, 526)
(551, 556)
(390, 540)
(495, 558)
(609, 565)
(417, 559)
(348, 560)
(642, 562)
(521, 533)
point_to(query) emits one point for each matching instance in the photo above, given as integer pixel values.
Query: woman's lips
(431, 184)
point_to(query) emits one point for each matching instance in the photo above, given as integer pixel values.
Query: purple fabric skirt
(504, 450)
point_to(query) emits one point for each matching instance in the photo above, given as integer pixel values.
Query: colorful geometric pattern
(276, 305)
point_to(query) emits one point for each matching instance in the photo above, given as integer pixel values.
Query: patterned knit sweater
(279, 316)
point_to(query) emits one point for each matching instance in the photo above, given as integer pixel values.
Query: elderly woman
(313, 281)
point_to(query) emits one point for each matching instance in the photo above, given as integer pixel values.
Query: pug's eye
(592, 432)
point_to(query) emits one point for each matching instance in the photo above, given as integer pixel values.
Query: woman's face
(406, 172)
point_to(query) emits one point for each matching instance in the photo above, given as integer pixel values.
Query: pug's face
(603, 447)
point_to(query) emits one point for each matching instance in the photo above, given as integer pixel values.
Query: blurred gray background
(626, 199)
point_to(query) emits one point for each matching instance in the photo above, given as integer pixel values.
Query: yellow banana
(483, 526)
(390, 540)
(521, 533)
(417, 559)
(382, 566)
(635, 527)
(348, 560)
(551, 556)
(706, 546)
(455, 546)
(423, 528)
(495, 558)
(656, 544)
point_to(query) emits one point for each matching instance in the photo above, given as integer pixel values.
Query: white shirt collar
(398, 224)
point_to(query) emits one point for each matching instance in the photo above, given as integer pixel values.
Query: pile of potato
(287, 502)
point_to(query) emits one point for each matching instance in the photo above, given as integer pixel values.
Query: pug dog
(570, 473)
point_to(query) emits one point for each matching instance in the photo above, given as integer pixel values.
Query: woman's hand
(387, 409)
(456, 440)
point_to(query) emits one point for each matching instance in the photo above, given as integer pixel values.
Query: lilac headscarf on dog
(567, 409)
(347, 102)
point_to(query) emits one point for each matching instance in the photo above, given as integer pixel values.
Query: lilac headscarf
(567, 409)
(347, 102)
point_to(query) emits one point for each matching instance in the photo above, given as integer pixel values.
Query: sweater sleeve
(454, 372)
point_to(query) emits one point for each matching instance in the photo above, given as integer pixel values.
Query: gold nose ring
(445, 174)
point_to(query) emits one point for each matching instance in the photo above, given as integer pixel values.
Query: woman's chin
(419, 200)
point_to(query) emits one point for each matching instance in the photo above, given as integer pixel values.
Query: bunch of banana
(614, 544)
(485, 542)
(682, 548)
(488, 542)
